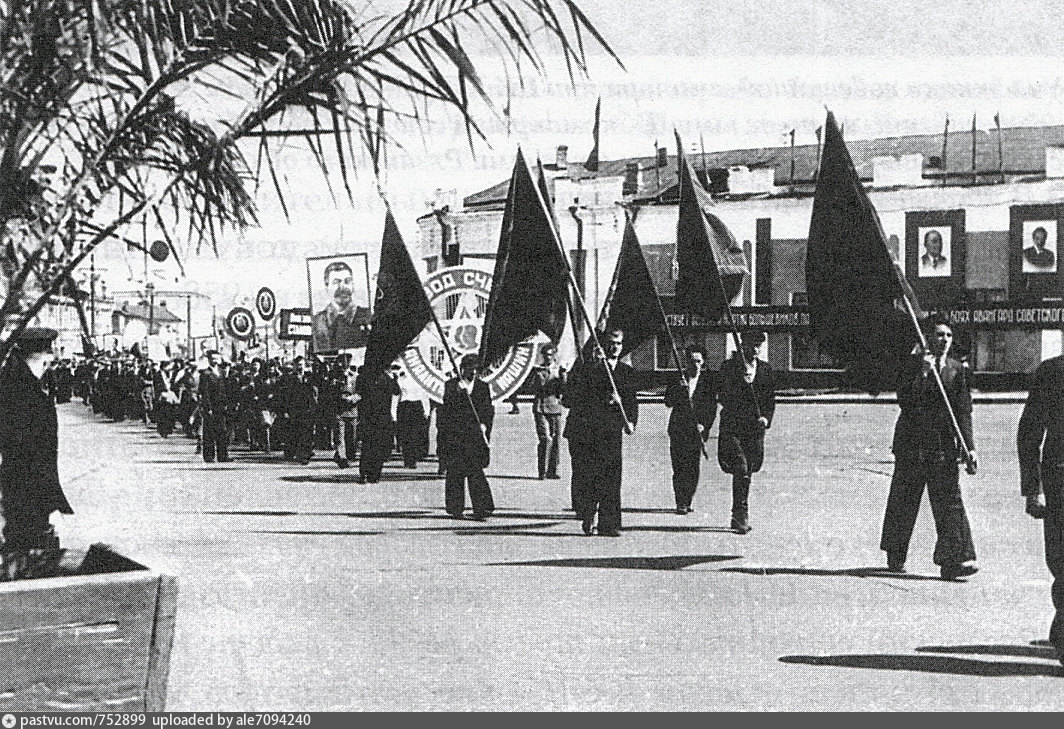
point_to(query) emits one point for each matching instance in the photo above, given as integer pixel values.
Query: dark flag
(592, 164)
(531, 279)
(632, 302)
(851, 279)
(975, 171)
(711, 262)
(401, 309)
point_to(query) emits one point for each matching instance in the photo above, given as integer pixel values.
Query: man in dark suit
(464, 423)
(600, 411)
(1040, 444)
(29, 444)
(746, 390)
(692, 398)
(375, 389)
(1038, 256)
(926, 453)
(299, 399)
(215, 407)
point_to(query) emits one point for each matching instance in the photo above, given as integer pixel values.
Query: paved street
(302, 589)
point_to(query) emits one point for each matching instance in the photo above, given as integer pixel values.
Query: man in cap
(29, 474)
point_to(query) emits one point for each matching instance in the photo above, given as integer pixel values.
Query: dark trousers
(686, 467)
(215, 438)
(412, 431)
(548, 428)
(458, 474)
(596, 479)
(942, 480)
(300, 440)
(377, 441)
(26, 526)
(1054, 540)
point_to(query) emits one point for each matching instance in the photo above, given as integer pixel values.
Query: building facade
(974, 220)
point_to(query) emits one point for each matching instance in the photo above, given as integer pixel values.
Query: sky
(735, 74)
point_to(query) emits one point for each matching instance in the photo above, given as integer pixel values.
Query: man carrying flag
(853, 283)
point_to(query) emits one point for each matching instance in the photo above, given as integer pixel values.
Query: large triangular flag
(632, 302)
(852, 281)
(711, 262)
(592, 164)
(401, 308)
(531, 278)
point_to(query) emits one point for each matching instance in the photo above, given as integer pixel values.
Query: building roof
(141, 310)
(1023, 154)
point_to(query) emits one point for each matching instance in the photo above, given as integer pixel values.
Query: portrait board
(1039, 251)
(339, 293)
(935, 252)
(1034, 265)
(934, 255)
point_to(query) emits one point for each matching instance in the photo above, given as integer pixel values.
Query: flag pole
(966, 454)
(458, 373)
(575, 290)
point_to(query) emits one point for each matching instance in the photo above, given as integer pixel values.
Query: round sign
(159, 251)
(266, 303)
(240, 323)
(459, 297)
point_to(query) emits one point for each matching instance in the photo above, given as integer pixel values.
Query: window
(805, 351)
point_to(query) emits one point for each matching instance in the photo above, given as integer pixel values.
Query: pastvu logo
(459, 296)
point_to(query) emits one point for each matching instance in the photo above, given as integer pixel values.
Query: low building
(975, 224)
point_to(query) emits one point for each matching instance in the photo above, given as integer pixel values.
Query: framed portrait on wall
(934, 255)
(338, 289)
(936, 251)
(1034, 256)
(1039, 246)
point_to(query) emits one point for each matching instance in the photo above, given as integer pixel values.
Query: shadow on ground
(673, 563)
(932, 664)
(1020, 651)
(317, 533)
(814, 572)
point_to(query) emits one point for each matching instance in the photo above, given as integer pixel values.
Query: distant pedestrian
(746, 390)
(412, 420)
(548, 383)
(926, 452)
(214, 410)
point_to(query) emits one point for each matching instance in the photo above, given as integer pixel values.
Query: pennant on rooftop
(401, 308)
(592, 164)
(530, 282)
(711, 262)
(632, 302)
(851, 279)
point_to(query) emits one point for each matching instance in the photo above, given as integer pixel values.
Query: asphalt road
(302, 589)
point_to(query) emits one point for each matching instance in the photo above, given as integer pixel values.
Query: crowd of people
(291, 407)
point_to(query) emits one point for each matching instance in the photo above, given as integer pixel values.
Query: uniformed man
(926, 452)
(746, 390)
(692, 400)
(29, 446)
(602, 406)
(1040, 444)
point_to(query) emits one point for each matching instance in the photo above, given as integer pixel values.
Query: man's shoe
(740, 526)
(455, 515)
(585, 524)
(609, 533)
(955, 571)
(895, 563)
(480, 517)
(553, 476)
(682, 510)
